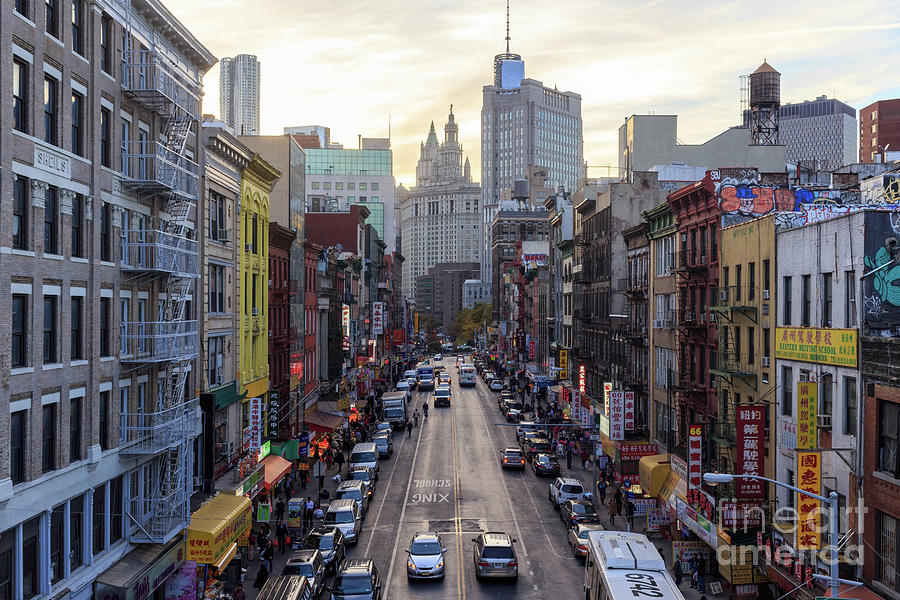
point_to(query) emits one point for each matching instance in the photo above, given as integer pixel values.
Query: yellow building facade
(745, 310)
(257, 180)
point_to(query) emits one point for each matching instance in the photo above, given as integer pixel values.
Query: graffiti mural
(807, 214)
(881, 289)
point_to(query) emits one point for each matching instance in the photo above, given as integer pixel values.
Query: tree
(469, 320)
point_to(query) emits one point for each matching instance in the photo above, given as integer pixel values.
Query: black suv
(330, 542)
(359, 579)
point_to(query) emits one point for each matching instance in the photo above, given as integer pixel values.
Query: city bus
(626, 566)
(467, 375)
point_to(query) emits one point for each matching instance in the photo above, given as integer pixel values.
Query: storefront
(142, 574)
(625, 456)
(215, 532)
(245, 479)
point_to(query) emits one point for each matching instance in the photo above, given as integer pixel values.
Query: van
(411, 377)
(344, 514)
(365, 455)
(403, 386)
(355, 490)
(286, 587)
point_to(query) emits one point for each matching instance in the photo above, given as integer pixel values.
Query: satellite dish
(339, 248)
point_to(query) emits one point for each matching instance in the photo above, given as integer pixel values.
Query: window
(255, 234)
(787, 391)
(106, 62)
(216, 354)
(253, 292)
(826, 299)
(216, 289)
(103, 421)
(362, 186)
(826, 393)
(57, 541)
(315, 185)
(77, 334)
(75, 430)
(48, 437)
(50, 333)
(105, 138)
(98, 532)
(788, 307)
(31, 563)
(766, 343)
(374, 187)
(105, 232)
(850, 405)
(126, 147)
(886, 555)
(76, 525)
(805, 301)
(20, 95)
(77, 225)
(888, 437)
(105, 346)
(77, 124)
(17, 446)
(78, 26)
(217, 221)
(22, 9)
(51, 110)
(52, 21)
(850, 318)
(116, 508)
(351, 185)
(751, 281)
(51, 221)
(738, 281)
(751, 345)
(20, 213)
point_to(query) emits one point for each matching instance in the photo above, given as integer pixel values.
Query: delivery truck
(393, 409)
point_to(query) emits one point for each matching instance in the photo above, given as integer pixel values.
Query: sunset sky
(349, 64)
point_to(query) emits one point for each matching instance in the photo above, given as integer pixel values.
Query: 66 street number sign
(695, 455)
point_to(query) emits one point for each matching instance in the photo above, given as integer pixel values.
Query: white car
(496, 385)
(565, 488)
(438, 357)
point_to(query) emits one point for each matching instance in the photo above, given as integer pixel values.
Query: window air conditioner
(823, 421)
(765, 361)
(765, 294)
(723, 295)
(254, 312)
(765, 308)
(248, 247)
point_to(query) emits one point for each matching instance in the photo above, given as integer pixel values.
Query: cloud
(349, 64)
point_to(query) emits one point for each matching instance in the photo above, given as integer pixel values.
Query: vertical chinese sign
(807, 432)
(617, 415)
(377, 318)
(582, 384)
(629, 411)
(751, 426)
(809, 479)
(255, 418)
(563, 364)
(575, 406)
(695, 456)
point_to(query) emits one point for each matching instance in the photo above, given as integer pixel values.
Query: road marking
(384, 495)
(531, 573)
(457, 509)
(433, 483)
(412, 469)
(429, 498)
(535, 587)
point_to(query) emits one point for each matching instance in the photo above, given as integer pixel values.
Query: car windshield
(579, 509)
(513, 454)
(305, 569)
(497, 552)
(350, 585)
(381, 441)
(351, 493)
(515, 406)
(572, 489)
(583, 534)
(361, 475)
(344, 516)
(425, 548)
(362, 457)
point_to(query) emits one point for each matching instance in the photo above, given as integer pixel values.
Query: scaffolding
(160, 171)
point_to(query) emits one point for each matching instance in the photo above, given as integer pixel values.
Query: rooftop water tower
(765, 99)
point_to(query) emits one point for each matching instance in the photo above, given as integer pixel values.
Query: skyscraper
(239, 80)
(819, 134)
(524, 124)
(440, 217)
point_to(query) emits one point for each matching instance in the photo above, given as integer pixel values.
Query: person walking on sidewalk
(629, 514)
(339, 459)
(281, 534)
(279, 511)
(611, 506)
(677, 568)
(308, 516)
(601, 490)
(569, 452)
(268, 555)
(619, 500)
(409, 427)
(262, 576)
(701, 574)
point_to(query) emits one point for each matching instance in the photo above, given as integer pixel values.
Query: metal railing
(158, 341)
(151, 433)
(151, 167)
(155, 250)
(151, 80)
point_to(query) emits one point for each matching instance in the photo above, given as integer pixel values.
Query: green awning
(227, 395)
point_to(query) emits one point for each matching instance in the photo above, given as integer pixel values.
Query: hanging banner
(377, 318)
(751, 428)
(826, 346)
(575, 406)
(617, 415)
(532, 349)
(345, 319)
(629, 411)
(274, 403)
(809, 479)
(416, 323)
(563, 364)
(582, 379)
(607, 388)
(695, 456)
(587, 416)
(255, 418)
(807, 428)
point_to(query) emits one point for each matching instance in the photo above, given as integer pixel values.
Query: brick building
(879, 127)
(283, 421)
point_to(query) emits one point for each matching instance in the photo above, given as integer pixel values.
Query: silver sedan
(426, 557)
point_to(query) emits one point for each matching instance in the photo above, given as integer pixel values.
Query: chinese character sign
(255, 417)
(751, 450)
(345, 319)
(695, 455)
(807, 432)
(532, 350)
(607, 388)
(416, 323)
(809, 479)
(617, 415)
(563, 364)
(575, 406)
(582, 385)
(377, 318)
(629, 411)
(826, 346)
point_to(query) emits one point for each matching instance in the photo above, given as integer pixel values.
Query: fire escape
(163, 253)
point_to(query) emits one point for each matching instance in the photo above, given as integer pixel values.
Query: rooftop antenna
(507, 26)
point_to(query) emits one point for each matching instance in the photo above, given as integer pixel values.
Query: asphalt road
(447, 478)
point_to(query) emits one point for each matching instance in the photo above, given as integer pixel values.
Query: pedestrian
(251, 539)
(611, 506)
(279, 510)
(304, 477)
(678, 574)
(268, 555)
(310, 507)
(601, 490)
(239, 593)
(409, 427)
(629, 514)
(262, 576)
(281, 534)
(339, 459)
(569, 452)
(692, 565)
(619, 500)
(701, 574)
(584, 458)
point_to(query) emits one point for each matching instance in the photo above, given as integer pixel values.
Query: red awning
(323, 422)
(276, 468)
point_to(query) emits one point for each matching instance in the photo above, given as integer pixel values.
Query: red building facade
(697, 215)
(310, 361)
(283, 406)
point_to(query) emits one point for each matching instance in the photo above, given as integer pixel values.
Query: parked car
(545, 465)
(366, 475)
(496, 385)
(525, 427)
(494, 555)
(535, 443)
(565, 488)
(384, 444)
(573, 512)
(438, 357)
(309, 564)
(505, 395)
(513, 411)
(512, 458)
(330, 542)
(358, 579)
(383, 426)
(426, 557)
(344, 514)
(578, 538)
(355, 490)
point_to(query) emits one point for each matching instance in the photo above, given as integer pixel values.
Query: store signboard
(377, 318)
(617, 415)
(629, 411)
(696, 522)
(809, 479)
(836, 347)
(255, 418)
(695, 456)
(807, 428)
(751, 444)
(563, 364)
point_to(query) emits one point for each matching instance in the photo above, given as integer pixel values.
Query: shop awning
(146, 564)
(276, 468)
(322, 421)
(216, 526)
(653, 472)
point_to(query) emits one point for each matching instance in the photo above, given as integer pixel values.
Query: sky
(356, 65)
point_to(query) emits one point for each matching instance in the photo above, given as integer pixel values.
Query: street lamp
(832, 500)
